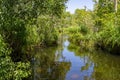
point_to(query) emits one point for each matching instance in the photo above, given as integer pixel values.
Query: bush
(8, 69)
(47, 31)
(73, 29)
(84, 29)
(109, 39)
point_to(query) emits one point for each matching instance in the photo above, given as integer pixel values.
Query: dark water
(69, 62)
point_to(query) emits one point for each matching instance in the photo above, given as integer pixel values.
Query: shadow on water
(68, 62)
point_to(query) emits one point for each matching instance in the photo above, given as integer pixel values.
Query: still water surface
(66, 62)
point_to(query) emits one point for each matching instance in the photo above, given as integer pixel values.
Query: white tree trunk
(115, 3)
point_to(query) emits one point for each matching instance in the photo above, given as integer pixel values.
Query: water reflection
(104, 66)
(69, 62)
(81, 68)
(48, 67)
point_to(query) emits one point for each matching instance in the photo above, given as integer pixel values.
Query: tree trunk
(115, 4)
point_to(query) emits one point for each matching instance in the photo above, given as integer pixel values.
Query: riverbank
(68, 62)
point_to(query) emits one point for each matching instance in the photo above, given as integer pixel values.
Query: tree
(20, 28)
(17, 16)
(108, 21)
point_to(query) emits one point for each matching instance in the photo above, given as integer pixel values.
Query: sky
(75, 4)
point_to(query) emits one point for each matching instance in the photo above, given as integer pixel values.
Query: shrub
(109, 39)
(84, 29)
(8, 69)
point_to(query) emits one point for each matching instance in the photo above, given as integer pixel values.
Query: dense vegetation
(28, 23)
(81, 30)
(107, 22)
(99, 28)
(24, 24)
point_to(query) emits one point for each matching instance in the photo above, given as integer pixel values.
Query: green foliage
(73, 30)
(19, 23)
(109, 38)
(4, 61)
(83, 17)
(107, 22)
(33, 37)
(67, 20)
(21, 70)
(47, 31)
(84, 29)
(24, 23)
(8, 69)
(80, 36)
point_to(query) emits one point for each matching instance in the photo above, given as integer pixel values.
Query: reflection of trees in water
(48, 67)
(87, 65)
(106, 66)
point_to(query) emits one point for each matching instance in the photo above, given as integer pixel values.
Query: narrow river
(67, 62)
